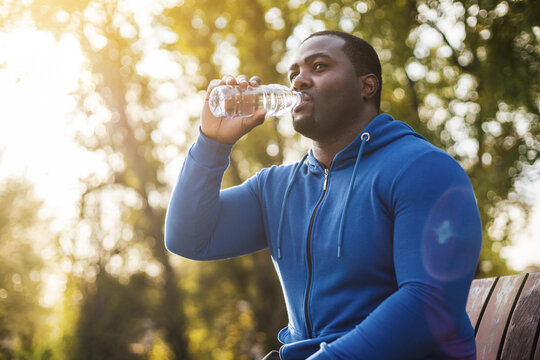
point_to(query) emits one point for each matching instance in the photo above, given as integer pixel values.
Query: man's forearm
(193, 206)
(205, 223)
(411, 324)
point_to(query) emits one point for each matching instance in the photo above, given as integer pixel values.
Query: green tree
(22, 231)
(135, 172)
(122, 209)
(115, 320)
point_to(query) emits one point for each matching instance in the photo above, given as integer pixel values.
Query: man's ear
(370, 85)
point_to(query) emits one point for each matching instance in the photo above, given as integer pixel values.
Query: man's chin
(303, 124)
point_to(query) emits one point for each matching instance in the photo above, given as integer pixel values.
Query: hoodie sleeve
(437, 241)
(204, 223)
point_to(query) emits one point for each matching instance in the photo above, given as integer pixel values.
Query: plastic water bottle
(230, 101)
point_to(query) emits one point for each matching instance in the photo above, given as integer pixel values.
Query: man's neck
(326, 149)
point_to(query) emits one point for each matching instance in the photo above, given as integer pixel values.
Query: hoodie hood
(382, 130)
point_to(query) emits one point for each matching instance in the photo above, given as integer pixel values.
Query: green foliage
(116, 320)
(235, 307)
(21, 231)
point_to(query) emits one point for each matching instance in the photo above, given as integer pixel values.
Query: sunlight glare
(37, 76)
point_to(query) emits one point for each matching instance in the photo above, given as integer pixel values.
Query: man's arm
(437, 240)
(203, 222)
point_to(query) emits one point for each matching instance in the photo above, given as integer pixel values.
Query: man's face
(330, 87)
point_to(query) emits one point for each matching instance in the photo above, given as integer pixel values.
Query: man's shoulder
(414, 150)
(433, 166)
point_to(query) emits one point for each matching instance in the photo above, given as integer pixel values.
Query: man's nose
(301, 82)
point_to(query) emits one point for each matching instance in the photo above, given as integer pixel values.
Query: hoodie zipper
(308, 254)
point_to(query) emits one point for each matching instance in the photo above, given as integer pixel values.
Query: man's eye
(292, 76)
(318, 67)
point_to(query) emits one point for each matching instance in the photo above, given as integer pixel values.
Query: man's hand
(230, 130)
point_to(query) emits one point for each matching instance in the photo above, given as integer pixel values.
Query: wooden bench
(505, 314)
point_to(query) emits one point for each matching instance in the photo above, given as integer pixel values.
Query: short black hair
(361, 54)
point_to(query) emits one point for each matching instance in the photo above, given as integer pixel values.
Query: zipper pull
(325, 179)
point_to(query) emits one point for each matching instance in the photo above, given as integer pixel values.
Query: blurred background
(99, 102)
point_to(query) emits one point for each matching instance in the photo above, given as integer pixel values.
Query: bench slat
(520, 339)
(477, 297)
(496, 316)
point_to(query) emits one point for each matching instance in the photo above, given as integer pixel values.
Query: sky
(37, 75)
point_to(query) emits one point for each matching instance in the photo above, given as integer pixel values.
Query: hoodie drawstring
(287, 191)
(365, 138)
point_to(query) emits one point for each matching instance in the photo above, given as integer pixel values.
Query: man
(375, 234)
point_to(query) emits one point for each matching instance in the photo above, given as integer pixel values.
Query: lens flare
(448, 249)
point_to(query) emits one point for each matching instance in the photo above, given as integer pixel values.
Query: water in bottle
(230, 101)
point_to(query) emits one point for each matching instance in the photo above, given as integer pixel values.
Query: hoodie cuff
(322, 354)
(210, 153)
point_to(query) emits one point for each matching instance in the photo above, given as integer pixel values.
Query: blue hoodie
(375, 254)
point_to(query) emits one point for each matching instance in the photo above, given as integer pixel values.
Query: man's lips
(305, 99)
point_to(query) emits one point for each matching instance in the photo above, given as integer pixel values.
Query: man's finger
(243, 81)
(255, 80)
(229, 80)
(242, 78)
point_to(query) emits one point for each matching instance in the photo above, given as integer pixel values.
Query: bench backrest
(505, 314)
